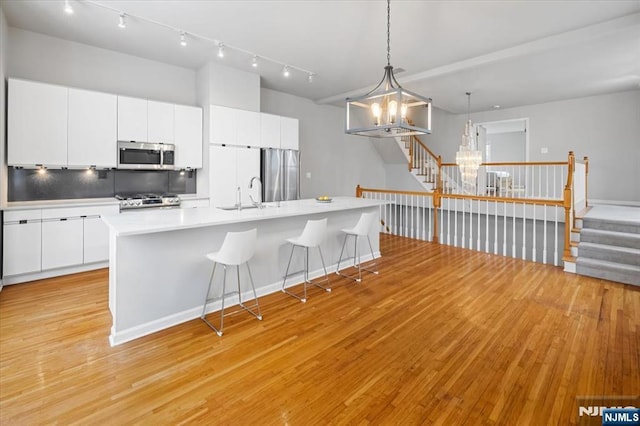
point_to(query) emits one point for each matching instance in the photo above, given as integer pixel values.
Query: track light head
(123, 22)
(285, 71)
(67, 7)
(183, 38)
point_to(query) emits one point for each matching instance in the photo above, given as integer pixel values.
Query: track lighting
(123, 22)
(285, 71)
(183, 39)
(67, 8)
(254, 61)
(310, 77)
(220, 50)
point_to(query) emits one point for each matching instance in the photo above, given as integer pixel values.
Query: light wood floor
(441, 336)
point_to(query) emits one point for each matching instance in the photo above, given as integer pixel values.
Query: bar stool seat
(312, 236)
(237, 249)
(361, 229)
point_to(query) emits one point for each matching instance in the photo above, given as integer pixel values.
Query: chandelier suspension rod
(388, 32)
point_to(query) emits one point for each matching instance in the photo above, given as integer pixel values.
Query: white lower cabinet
(43, 240)
(22, 247)
(61, 242)
(96, 240)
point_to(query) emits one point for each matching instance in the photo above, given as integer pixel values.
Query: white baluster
(544, 237)
(455, 225)
(495, 229)
(486, 230)
(513, 244)
(533, 253)
(504, 231)
(478, 228)
(470, 224)
(524, 231)
(555, 242)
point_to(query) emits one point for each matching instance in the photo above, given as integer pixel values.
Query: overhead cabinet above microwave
(57, 126)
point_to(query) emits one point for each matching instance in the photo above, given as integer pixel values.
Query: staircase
(609, 246)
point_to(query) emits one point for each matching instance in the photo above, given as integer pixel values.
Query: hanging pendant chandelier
(468, 158)
(388, 110)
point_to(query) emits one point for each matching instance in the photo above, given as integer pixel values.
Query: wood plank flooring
(442, 336)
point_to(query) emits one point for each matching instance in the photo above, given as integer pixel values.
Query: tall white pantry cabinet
(236, 138)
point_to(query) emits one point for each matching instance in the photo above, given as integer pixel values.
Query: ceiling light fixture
(388, 110)
(67, 8)
(468, 157)
(254, 61)
(123, 22)
(285, 71)
(220, 50)
(192, 36)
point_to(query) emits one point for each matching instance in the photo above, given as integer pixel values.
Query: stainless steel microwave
(145, 156)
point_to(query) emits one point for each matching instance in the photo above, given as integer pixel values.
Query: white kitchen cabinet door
(21, 248)
(248, 128)
(222, 175)
(160, 122)
(93, 129)
(132, 119)
(289, 133)
(223, 125)
(96, 240)
(37, 124)
(62, 243)
(269, 130)
(248, 166)
(188, 137)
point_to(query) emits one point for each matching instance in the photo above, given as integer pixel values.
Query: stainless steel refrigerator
(280, 174)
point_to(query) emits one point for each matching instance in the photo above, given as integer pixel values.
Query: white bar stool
(237, 248)
(312, 236)
(360, 230)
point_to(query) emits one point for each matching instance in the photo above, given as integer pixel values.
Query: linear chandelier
(468, 157)
(388, 110)
(183, 36)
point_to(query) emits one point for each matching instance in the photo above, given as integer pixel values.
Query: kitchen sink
(243, 207)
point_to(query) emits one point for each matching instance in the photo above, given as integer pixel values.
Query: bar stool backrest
(238, 247)
(364, 224)
(313, 233)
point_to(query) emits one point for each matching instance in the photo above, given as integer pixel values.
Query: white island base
(158, 273)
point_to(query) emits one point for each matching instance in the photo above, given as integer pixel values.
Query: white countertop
(79, 202)
(144, 222)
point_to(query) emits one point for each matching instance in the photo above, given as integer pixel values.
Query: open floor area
(442, 335)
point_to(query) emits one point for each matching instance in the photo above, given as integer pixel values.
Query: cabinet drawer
(18, 215)
(21, 248)
(62, 243)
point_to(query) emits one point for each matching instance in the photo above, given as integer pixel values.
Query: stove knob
(137, 202)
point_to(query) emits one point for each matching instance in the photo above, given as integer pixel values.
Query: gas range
(145, 201)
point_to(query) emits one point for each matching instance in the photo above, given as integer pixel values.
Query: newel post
(358, 191)
(437, 200)
(411, 142)
(439, 179)
(566, 254)
(586, 181)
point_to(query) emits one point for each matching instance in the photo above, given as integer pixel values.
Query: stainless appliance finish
(280, 174)
(146, 201)
(145, 156)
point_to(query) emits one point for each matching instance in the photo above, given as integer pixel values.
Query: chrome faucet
(258, 204)
(238, 199)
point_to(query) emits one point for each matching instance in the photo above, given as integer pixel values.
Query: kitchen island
(158, 273)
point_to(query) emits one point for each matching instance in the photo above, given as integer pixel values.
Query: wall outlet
(308, 175)
(544, 150)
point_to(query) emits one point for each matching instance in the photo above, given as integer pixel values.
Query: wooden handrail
(425, 147)
(518, 163)
(537, 201)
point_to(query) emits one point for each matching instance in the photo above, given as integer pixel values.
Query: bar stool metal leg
(344, 242)
(224, 286)
(326, 276)
(206, 296)
(255, 297)
(286, 274)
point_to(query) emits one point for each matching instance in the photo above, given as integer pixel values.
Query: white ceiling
(507, 52)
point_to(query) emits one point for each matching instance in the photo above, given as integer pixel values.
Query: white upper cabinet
(269, 130)
(223, 125)
(132, 119)
(188, 137)
(248, 128)
(92, 138)
(160, 122)
(289, 133)
(37, 124)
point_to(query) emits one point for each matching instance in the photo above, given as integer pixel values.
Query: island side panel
(160, 279)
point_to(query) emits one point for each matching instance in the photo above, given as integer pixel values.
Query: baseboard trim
(23, 278)
(118, 337)
(614, 203)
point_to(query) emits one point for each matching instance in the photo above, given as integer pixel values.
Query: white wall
(337, 161)
(509, 146)
(234, 88)
(34, 56)
(3, 100)
(605, 128)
